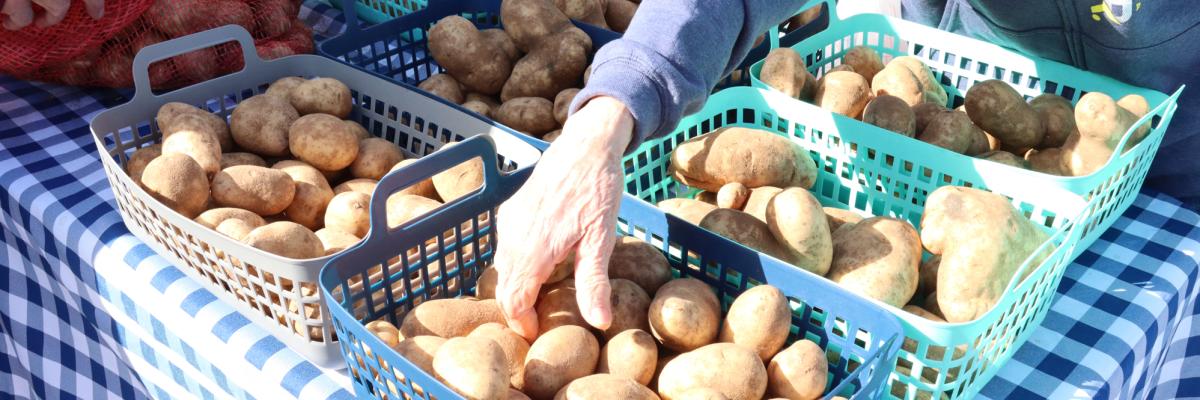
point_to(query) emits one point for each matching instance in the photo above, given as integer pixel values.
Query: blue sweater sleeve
(674, 53)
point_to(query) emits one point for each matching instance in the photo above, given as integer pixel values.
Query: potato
(877, 258)
(973, 273)
(233, 159)
(260, 125)
(562, 104)
(758, 201)
(169, 122)
(950, 130)
(688, 210)
(639, 262)
(349, 212)
(891, 113)
(796, 220)
(619, 14)
(424, 188)
(485, 99)
(478, 107)
(201, 146)
(930, 304)
(759, 320)
(927, 274)
(631, 354)
(734, 371)
(1058, 117)
(335, 240)
(385, 331)
(1137, 106)
(1048, 161)
(139, 159)
(485, 286)
(751, 232)
(684, 315)
(167, 112)
(898, 81)
(707, 197)
(558, 357)
(514, 346)
(420, 350)
(262, 190)
(312, 193)
(981, 141)
(473, 367)
(1003, 157)
(531, 115)
(557, 306)
(924, 113)
(449, 318)
(836, 217)
(469, 56)
(376, 156)
(998, 109)
(235, 228)
(798, 372)
(751, 157)
(322, 95)
(843, 92)
(605, 386)
(500, 39)
(529, 21)
(1101, 123)
(552, 66)
(587, 73)
(701, 393)
(514, 394)
(733, 195)
(460, 180)
(211, 218)
(934, 92)
(402, 208)
(864, 60)
(444, 86)
(784, 70)
(629, 306)
(586, 11)
(323, 141)
(921, 312)
(361, 185)
(283, 86)
(178, 182)
(286, 239)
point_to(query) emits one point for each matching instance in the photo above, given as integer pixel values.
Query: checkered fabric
(88, 311)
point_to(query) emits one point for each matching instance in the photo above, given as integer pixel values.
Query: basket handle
(1167, 107)
(481, 146)
(188, 43)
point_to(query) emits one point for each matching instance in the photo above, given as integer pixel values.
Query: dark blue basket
(441, 254)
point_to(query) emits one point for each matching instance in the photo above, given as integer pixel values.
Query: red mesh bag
(109, 63)
(26, 50)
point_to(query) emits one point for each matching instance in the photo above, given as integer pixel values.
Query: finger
(517, 294)
(592, 289)
(17, 14)
(95, 8)
(55, 11)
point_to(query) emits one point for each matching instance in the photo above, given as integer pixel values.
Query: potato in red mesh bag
(298, 40)
(273, 17)
(176, 18)
(32, 52)
(114, 69)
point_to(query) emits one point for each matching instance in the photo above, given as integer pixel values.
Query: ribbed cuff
(635, 84)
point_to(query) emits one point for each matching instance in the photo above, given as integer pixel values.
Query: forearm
(674, 53)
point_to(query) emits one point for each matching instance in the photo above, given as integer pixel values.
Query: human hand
(18, 14)
(568, 205)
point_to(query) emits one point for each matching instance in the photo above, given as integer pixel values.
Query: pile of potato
(1047, 134)
(755, 192)
(667, 339)
(526, 74)
(288, 174)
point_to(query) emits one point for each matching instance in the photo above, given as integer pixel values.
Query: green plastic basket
(959, 62)
(379, 11)
(876, 172)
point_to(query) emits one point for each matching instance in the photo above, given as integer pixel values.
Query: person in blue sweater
(675, 52)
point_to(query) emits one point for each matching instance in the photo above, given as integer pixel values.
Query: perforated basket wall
(271, 290)
(362, 285)
(867, 170)
(959, 62)
(377, 11)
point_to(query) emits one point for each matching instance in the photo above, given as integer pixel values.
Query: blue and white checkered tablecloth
(88, 311)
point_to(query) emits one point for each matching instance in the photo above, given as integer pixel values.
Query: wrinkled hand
(18, 14)
(568, 205)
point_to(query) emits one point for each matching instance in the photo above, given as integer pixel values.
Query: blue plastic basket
(378, 11)
(359, 286)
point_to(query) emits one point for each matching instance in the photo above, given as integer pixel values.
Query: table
(88, 311)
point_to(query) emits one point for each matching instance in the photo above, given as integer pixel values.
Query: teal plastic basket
(379, 11)
(440, 255)
(959, 62)
(876, 172)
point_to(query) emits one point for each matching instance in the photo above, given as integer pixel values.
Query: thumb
(592, 289)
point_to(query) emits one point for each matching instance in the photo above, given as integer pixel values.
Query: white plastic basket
(262, 285)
